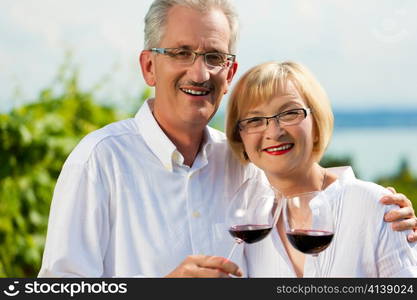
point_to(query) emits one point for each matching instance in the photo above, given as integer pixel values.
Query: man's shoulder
(217, 136)
(113, 131)
(239, 171)
(220, 146)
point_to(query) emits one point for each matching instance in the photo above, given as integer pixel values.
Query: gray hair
(156, 18)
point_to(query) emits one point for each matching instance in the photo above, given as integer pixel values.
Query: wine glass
(252, 212)
(309, 224)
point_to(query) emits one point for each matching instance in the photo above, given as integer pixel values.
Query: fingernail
(239, 273)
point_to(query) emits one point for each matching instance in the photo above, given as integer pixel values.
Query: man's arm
(78, 227)
(403, 218)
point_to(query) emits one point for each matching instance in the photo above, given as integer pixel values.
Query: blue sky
(364, 52)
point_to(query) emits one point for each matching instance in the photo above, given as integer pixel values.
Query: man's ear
(230, 74)
(147, 65)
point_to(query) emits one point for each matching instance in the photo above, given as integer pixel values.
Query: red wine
(310, 241)
(250, 233)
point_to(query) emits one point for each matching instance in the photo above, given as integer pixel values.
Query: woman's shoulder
(366, 187)
(357, 190)
(365, 194)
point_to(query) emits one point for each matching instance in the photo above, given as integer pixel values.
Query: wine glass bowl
(252, 212)
(309, 223)
(249, 233)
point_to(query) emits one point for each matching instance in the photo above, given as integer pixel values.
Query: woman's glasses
(285, 118)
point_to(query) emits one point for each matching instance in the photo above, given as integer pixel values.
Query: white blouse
(363, 245)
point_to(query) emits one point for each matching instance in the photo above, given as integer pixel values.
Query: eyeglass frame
(306, 111)
(229, 57)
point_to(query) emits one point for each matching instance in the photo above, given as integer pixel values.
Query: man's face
(187, 96)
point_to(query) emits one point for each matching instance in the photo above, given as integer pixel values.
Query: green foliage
(329, 161)
(403, 182)
(35, 141)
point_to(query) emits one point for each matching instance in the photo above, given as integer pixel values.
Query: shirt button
(175, 156)
(196, 214)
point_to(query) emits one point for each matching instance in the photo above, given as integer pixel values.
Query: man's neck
(187, 139)
(187, 143)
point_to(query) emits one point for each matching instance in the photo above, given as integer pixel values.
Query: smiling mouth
(278, 150)
(195, 92)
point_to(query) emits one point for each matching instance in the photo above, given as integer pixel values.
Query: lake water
(376, 151)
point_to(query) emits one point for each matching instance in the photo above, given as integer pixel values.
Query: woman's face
(281, 150)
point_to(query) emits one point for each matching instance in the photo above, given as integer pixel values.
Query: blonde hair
(261, 83)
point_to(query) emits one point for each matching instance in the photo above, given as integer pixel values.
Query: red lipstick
(279, 149)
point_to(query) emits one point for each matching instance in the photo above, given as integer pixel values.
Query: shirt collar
(205, 149)
(208, 141)
(153, 135)
(344, 173)
(161, 145)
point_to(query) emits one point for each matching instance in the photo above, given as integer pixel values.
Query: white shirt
(363, 245)
(126, 205)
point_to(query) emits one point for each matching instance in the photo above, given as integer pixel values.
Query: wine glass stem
(233, 250)
(317, 265)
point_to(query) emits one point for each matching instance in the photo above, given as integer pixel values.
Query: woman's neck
(307, 180)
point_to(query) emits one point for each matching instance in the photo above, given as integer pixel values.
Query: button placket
(198, 222)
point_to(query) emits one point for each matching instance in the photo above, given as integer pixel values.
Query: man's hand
(206, 266)
(403, 218)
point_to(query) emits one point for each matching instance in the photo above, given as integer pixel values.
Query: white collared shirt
(126, 205)
(363, 244)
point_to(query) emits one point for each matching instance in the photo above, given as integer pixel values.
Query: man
(138, 196)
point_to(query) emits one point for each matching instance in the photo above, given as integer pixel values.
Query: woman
(280, 119)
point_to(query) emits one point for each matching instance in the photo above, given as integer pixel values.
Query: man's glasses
(285, 118)
(187, 57)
